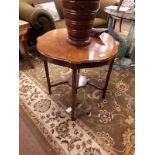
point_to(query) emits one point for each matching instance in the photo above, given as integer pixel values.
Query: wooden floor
(28, 143)
(31, 141)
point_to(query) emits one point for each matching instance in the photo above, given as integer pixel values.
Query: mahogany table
(54, 48)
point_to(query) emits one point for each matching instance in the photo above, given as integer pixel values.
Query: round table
(54, 48)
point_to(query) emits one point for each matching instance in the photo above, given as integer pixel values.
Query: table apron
(77, 65)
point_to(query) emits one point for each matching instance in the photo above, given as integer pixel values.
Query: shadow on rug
(109, 127)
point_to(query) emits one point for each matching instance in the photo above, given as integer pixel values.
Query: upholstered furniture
(101, 16)
(40, 20)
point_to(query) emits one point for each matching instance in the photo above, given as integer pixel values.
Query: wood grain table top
(54, 45)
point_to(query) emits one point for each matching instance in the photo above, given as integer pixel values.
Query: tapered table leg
(47, 76)
(74, 91)
(107, 78)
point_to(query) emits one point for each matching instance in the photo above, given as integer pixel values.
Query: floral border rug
(107, 129)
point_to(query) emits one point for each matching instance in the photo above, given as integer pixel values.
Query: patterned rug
(107, 129)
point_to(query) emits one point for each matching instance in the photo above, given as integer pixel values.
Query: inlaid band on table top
(54, 45)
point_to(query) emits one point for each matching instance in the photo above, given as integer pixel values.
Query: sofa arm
(38, 18)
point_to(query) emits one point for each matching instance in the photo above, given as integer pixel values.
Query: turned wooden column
(79, 17)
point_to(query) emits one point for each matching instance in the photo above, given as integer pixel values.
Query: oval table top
(54, 45)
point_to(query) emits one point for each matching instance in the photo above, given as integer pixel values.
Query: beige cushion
(60, 23)
(99, 22)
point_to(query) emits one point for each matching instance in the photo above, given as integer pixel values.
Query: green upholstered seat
(60, 23)
(41, 21)
(100, 22)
